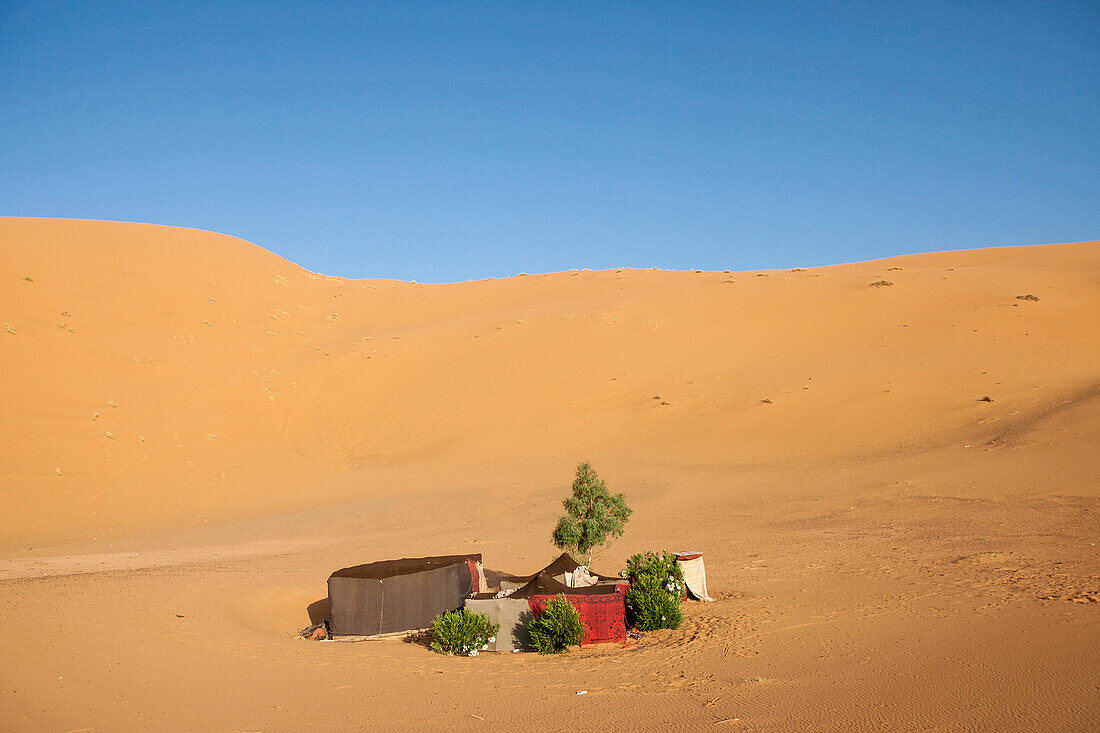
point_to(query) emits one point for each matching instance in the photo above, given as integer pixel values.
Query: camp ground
(397, 598)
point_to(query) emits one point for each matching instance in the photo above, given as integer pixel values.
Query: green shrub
(462, 632)
(656, 589)
(593, 516)
(557, 627)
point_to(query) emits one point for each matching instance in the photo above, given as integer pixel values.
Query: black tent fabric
(564, 564)
(544, 584)
(398, 595)
(559, 569)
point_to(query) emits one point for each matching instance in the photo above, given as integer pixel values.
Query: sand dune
(894, 484)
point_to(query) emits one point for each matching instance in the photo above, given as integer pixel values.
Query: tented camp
(395, 596)
(598, 598)
(400, 595)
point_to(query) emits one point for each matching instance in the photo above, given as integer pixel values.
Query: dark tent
(561, 570)
(602, 607)
(399, 595)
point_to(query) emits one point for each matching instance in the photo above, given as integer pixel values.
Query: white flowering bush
(656, 589)
(462, 632)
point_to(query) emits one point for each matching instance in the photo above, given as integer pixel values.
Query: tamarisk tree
(593, 516)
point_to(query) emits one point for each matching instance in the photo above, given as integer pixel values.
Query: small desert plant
(656, 589)
(593, 516)
(558, 626)
(881, 284)
(462, 632)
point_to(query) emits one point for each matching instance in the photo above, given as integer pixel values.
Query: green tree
(593, 516)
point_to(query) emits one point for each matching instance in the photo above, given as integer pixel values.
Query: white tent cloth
(695, 574)
(580, 578)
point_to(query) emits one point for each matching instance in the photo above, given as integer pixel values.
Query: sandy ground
(195, 432)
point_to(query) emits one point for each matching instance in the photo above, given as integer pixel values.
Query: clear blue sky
(469, 140)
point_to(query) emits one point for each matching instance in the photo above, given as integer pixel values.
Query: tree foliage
(593, 516)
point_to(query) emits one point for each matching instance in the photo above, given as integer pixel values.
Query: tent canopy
(399, 595)
(563, 570)
(544, 584)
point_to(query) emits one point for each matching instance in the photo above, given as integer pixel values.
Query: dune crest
(161, 377)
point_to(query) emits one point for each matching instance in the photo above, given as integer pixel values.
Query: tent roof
(564, 564)
(404, 566)
(545, 585)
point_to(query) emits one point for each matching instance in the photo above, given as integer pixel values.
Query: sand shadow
(420, 638)
(318, 611)
(520, 634)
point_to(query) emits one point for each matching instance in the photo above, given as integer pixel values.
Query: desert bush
(656, 589)
(462, 632)
(558, 626)
(593, 516)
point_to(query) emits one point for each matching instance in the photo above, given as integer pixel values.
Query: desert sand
(894, 486)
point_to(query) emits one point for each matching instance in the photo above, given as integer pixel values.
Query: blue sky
(469, 140)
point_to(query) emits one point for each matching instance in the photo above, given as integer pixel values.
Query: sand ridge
(167, 355)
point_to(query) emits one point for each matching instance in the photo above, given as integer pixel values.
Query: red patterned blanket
(603, 615)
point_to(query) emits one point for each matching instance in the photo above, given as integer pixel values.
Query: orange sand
(195, 432)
